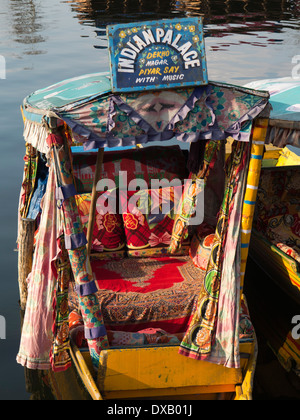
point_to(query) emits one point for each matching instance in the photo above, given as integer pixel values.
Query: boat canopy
(99, 118)
(284, 122)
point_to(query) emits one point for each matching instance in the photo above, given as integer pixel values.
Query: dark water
(44, 42)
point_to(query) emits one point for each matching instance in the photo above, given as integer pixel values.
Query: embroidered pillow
(201, 245)
(108, 233)
(148, 217)
(282, 226)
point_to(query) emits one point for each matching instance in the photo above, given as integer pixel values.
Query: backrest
(111, 234)
(143, 163)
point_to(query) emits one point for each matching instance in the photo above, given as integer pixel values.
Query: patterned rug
(146, 293)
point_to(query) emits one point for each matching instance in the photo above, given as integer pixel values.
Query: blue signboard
(157, 54)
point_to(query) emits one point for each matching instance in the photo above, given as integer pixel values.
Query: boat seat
(148, 300)
(139, 293)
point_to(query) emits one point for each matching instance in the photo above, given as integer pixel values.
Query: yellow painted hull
(154, 373)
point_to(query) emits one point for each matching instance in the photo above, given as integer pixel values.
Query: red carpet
(142, 293)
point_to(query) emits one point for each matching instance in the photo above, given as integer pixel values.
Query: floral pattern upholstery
(108, 233)
(148, 217)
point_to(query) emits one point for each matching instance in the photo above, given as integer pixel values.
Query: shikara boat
(275, 243)
(276, 230)
(125, 303)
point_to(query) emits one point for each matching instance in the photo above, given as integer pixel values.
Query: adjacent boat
(276, 230)
(124, 298)
(275, 243)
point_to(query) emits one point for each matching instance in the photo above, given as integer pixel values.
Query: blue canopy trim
(284, 123)
(71, 92)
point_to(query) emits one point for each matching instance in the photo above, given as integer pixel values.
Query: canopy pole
(255, 164)
(92, 213)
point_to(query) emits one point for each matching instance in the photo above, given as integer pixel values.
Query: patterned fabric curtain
(60, 353)
(201, 335)
(30, 170)
(37, 330)
(75, 242)
(189, 197)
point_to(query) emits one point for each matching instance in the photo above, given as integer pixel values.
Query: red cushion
(108, 233)
(148, 216)
(147, 292)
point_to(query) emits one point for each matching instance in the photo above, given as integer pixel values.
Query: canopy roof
(285, 115)
(99, 118)
(69, 92)
(284, 98)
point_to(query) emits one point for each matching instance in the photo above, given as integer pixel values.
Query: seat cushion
(108, 233)
(146, 293)
(148, 217)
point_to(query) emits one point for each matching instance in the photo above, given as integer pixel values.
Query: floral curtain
(75, 242)
(201, 341)
(37, 330)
